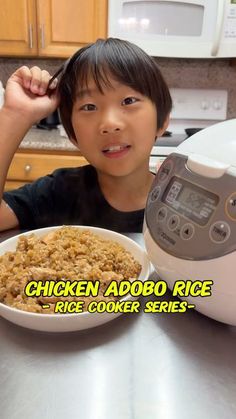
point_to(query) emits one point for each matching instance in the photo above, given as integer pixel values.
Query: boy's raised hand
(26, 94)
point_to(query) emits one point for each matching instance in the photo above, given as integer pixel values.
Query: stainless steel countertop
(139, 366)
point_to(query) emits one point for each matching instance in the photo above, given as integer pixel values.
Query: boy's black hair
(125, 62)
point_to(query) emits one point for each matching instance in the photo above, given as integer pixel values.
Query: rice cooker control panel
(191, 216)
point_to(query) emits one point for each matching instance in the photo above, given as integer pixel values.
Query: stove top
(193, 109)
(170, 141)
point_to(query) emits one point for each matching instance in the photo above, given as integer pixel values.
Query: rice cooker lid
(216, 143)
(191, 207)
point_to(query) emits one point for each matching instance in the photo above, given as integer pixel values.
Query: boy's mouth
(115, 148)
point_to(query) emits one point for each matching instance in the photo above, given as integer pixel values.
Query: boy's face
(115, 131)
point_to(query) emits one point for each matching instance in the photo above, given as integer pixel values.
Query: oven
(193, 110)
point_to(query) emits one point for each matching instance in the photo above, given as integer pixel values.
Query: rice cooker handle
(205, 166)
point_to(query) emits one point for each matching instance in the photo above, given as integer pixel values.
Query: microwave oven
(176, 28)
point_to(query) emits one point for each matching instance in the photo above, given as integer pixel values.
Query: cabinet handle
(30, 36)
(42, 36)
(28, 168)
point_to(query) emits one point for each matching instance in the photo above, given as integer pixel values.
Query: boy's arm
(8, 217)
(26, 102)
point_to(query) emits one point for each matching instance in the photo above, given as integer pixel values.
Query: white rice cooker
(190, 218)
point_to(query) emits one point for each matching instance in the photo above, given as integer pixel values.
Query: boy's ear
(164, 127)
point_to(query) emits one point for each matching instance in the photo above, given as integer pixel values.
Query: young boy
(113, 103)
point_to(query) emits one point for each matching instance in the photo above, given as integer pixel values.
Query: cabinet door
(66, 25)
(18, 27)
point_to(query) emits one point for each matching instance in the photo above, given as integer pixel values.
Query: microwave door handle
(219, 26)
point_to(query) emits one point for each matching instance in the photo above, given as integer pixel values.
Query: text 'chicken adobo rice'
(66, 254)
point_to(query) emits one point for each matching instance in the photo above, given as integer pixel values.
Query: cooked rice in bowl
(64, 254)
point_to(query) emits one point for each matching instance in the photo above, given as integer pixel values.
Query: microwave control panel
(230, 20)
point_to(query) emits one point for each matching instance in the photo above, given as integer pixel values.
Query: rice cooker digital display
(190, 200)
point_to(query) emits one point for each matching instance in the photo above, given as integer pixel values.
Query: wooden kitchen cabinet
(17, 27)
(29, 166)
(50, 28)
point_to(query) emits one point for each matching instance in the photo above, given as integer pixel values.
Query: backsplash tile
(183, 73)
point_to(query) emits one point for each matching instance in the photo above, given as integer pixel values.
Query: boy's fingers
(53, 84)
(36, 80)
(24, 75)
(45, 77)
(40, 80)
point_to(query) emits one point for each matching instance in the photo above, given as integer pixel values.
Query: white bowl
(74, 321)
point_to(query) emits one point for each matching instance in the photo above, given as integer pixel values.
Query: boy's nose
(110, 124)
(109, 130)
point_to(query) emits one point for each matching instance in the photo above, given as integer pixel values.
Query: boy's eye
(88, 107)
(129, 100)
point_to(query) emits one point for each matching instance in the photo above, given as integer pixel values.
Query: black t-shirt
(69, 196)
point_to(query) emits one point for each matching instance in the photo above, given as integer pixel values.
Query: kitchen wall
(185, 73)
